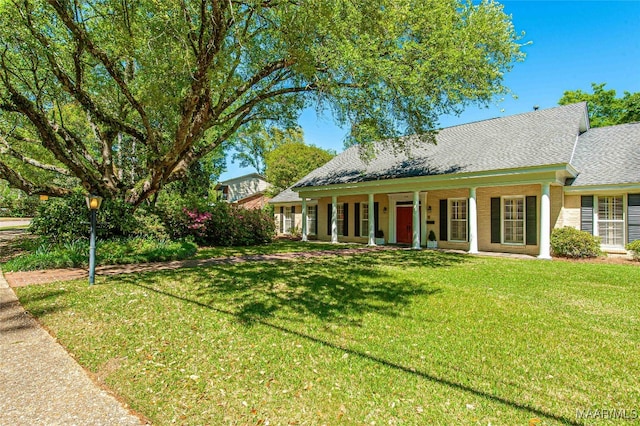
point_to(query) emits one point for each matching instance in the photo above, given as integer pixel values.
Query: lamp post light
(93, 202)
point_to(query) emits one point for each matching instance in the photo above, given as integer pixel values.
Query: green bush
(67, 219)
(634, 248)
(150, 225)
(75, 254)
(573, 243)
(15, 203)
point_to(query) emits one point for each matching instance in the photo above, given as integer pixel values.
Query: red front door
(404, 225)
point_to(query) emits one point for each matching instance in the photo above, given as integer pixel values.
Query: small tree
(291, 162)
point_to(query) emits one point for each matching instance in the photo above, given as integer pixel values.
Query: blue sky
(572, 44)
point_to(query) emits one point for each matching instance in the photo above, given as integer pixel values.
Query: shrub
(573, 243)
(15, 203)
(634, 248)
(150, 225)
(67, 219)
(116, 251)
(223, 224)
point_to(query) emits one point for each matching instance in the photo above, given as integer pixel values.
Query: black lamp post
(93, 202)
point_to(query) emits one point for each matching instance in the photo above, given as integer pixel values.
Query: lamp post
(93, 202)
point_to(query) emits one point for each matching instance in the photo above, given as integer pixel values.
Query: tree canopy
(122, 97)
(290, 162)
(605, 109)
(253, 145)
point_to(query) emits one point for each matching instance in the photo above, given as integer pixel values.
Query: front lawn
(277, 246)
(34, 254)
(397, 337)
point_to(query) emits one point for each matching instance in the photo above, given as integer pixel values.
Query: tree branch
(111, 67)
(7, 149)
(18, 181)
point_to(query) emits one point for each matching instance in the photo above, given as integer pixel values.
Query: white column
(372, 223)
(423, 225)
(473, 222)
(334, 219)
(391, 238)
(416, 220)
(545, 223)
(304, 219)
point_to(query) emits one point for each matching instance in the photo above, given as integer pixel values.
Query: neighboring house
(246, 191)
(496, 185)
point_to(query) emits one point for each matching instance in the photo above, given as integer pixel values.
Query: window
(311, 220)
(288, 220)
(513, 220)
(340, 218)
(364, 220)
(611, 221)
(458, 219)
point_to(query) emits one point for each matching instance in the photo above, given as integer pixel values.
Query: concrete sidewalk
(40, 383)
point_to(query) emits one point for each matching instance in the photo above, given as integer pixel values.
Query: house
(497, 185)
(246, 191)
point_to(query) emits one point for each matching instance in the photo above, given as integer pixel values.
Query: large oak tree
(122, 96)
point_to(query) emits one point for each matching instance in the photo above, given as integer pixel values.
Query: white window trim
(450, 215)
(311, 219)
(340, 231)
(364, 230)
(524, 219)
(596, 219)
(291, 218)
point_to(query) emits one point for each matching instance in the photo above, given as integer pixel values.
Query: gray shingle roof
(286, 196)
(608, 155)
(536, 138)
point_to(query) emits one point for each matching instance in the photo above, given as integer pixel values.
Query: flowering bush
(197, 222)
(223, 224)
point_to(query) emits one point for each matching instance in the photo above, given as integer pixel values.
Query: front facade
(497, 185)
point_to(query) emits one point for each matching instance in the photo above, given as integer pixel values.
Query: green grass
(37, 255)
(403, 337)
(278, 246)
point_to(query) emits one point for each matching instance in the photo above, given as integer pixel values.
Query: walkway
(40, 383)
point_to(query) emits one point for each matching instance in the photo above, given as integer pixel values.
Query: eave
(553, 173)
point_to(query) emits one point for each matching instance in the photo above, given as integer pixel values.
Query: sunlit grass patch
(412, 337)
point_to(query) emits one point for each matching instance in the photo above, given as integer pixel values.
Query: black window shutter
(293, 209)
(376, 215)
(633, 218)
(329, 214)
(281, 219)
(315, 229)
(345, 228)
(586, 213)
(532, 220)
(443, 220)
(495, 220)
(356, 219)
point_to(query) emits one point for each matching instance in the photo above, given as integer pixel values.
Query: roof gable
(608, 155)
